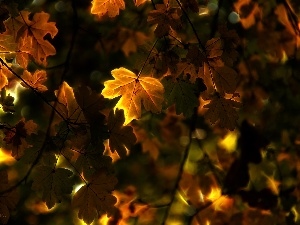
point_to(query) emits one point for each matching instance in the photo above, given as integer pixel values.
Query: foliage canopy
(149, 112)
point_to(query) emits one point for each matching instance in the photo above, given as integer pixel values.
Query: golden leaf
(134, 91)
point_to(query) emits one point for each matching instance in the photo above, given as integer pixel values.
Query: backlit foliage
(149, 112)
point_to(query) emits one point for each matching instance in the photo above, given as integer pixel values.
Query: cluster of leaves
(136, 146)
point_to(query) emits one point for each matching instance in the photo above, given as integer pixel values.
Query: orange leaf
(134, 91)
(109, 7)
(35, 80)
(33, 32)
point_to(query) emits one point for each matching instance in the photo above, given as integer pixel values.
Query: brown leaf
(222, 109)
(165, 18)
(95, 199)
(121, 137)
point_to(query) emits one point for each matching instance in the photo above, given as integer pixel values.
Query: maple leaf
(53, 183)
(35, 80)
(165, 18)
(121, 137)
(95, 199)
(33, 33)
(109, 7)
(67, 104)
(222, 109)
(8, 200)
(90, 160)
(225, 79)
(213, 52)
(181, 93)
(134, 91)
(16, 136)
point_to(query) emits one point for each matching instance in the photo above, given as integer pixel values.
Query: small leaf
(222, 109)
(95, 199)
(53, 183)
(121, 137)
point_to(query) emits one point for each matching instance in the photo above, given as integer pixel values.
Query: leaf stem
(139, 74)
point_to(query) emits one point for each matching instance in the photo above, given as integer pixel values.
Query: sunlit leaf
(134, 92)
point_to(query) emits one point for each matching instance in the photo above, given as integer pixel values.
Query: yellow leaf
(111, 7)
(134, 91)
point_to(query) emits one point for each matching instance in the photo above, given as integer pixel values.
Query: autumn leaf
(33, 33)
(35, 80)
(67, 105)
(166, 18)
(121, 137)
(8, 200)
(90, 160)
(53, 183)
(224, 79)
(95, 199)
(15, 137)
(134, 91)
(109, 7)
(181, 93)
(7, 44)
(222, 109)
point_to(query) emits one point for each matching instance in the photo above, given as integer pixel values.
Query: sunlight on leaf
(6, 158)
(134, 92)
(214, 194)
(229, 142)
